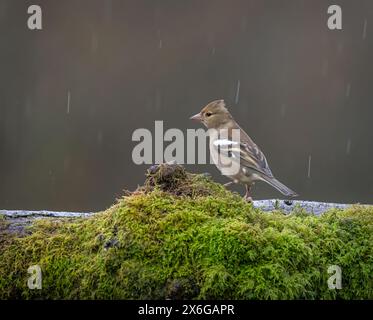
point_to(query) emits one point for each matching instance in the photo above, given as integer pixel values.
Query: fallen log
(18, 220)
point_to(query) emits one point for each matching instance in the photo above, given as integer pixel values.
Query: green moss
(191, 238)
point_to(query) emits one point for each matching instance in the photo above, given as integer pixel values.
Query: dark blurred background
(72, 94)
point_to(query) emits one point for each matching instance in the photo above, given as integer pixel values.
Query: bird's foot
(247, 196)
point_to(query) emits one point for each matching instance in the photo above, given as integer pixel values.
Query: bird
(251, 162)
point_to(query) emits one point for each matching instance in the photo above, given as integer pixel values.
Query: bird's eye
(208, 114)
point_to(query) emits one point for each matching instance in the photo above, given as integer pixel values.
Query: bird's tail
(280, 186)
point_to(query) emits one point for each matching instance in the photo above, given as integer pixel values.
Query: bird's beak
(196, 117)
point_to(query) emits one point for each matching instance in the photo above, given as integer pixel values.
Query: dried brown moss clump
(174, 179)
(182, 236)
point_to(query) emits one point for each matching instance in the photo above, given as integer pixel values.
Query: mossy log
(17, 221)
(182, 236)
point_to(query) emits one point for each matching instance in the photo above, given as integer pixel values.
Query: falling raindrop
(66, 163)
(348, 89)
(340, 47)
(3, 9)
(68, 102)
(365, 29)
(100, 137)
(325, 68)
(213, 51)
(309, 167)
(108, 10)
(348, 146)
(28, 109)
(94, 43)
(243, 23)
(158, 98)
(160, 44)
(283, 110)
(237, 92)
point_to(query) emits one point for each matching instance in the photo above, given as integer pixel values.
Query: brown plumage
(253, 165)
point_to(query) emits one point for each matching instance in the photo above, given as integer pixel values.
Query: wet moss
(189, 238)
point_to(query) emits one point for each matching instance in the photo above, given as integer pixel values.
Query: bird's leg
(247, 196)
(227, 184)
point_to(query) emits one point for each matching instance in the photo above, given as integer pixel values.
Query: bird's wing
(246, 152)
(252, 157)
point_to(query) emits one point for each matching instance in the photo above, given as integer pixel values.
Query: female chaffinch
(252, 164)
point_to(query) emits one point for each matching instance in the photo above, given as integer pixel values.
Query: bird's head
(214, 115)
